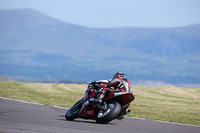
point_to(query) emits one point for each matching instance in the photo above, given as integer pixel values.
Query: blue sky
(115, 13)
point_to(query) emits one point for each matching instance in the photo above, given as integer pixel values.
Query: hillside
(36, 46)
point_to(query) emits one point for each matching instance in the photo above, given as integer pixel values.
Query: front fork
(85, 111)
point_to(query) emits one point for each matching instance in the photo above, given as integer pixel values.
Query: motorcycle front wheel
(73, 112)
(110, 114)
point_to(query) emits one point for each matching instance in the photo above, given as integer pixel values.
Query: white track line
(125, 116)
(32, 103)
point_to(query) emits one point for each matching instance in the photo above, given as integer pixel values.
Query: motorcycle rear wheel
(73, 112)
(110, 114)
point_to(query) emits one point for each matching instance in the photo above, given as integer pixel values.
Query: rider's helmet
(119, 75)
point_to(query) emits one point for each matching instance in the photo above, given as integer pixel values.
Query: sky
(115, 13)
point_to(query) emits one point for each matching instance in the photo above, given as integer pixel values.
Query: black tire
(73, 112)
(109, 115)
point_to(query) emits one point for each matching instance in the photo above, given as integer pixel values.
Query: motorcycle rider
(101, 88)
(119, 83)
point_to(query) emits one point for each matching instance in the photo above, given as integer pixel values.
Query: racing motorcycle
(114, 105)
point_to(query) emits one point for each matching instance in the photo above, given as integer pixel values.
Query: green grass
(165, 103)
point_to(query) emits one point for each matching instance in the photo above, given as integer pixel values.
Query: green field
(165, 103)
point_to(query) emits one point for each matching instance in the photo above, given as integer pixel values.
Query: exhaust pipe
(124, 112)
(128, 111)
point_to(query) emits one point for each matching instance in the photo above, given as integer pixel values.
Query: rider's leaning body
(97, 90)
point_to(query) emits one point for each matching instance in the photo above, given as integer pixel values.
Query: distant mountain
(36, 46)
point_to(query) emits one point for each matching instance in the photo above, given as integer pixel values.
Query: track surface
(22, 117)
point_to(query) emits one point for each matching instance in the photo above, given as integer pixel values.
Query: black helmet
(119, 74)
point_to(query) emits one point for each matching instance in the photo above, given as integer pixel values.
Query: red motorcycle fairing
(123, 98)
(89, 93)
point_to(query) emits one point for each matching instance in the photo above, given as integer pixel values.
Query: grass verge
(165, 103)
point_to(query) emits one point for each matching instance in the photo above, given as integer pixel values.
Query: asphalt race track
(23, 117)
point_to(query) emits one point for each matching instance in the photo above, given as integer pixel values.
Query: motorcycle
(114, 105)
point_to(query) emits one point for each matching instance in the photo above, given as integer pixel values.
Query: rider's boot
(120, 118)
(121, 115)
